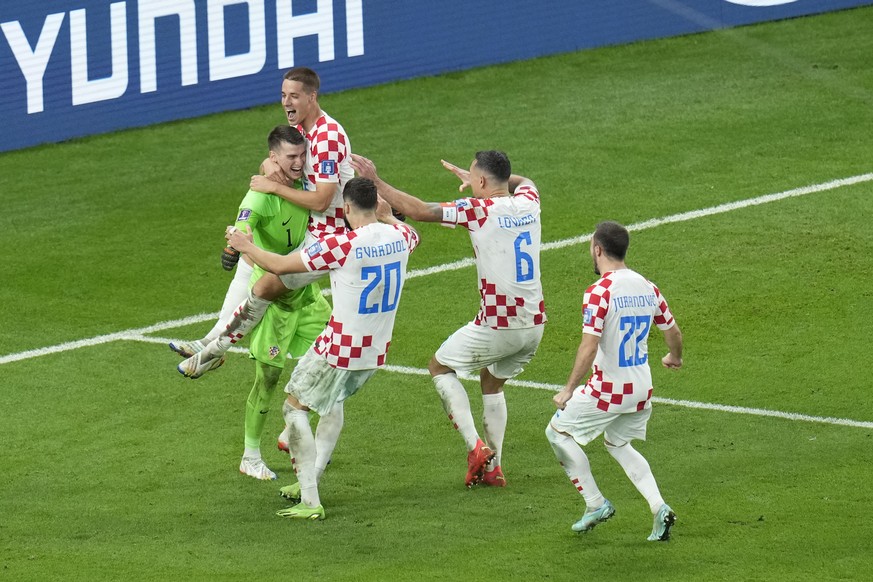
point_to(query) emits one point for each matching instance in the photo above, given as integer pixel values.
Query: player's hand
(671, 361)
(364, 167)
(560, 399)
(273, 172)
(263, 184)
(229, 258)
(463, 175)
(241, 241)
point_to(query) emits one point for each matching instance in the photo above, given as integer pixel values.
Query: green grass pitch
(115, 467)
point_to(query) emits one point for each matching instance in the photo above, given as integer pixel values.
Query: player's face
(477, 181)
(297, 103)
(290, 158)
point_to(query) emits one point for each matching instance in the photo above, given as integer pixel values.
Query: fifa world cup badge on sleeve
(313, 249)
(327, 167)
(587, 316)
(243, 214)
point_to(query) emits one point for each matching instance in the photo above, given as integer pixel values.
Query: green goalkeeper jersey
(277, 226)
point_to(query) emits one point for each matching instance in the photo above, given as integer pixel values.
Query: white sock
(638, 471)
(237, 292)
(457, 406)
(327, 434)
(251, 453)
(577, 467)
(494, 424)
(245, 317)
(302, 445)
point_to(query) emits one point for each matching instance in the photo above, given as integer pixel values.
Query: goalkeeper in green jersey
(293, 321)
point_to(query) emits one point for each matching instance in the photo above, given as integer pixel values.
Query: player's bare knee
(435, 368)
(490, 383)
(269, 287)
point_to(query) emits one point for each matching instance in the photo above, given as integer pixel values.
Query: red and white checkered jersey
(367, 270)
(620, 308)
(505, 232)
(328, 159)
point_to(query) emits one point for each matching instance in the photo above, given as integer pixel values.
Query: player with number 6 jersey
(503, 219)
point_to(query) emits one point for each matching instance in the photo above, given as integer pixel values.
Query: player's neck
(611, 266)
(310, 120)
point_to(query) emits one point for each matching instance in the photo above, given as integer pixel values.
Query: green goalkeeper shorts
(283, 331)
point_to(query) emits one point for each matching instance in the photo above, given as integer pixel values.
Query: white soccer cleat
(187, 349)
(256, 468)
(197, 365)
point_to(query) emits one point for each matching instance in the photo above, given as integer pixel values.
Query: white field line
(139, 333)
(555, 387)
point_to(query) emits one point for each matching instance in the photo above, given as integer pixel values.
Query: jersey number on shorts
(524, 265)
(389, 277)
(635, 328)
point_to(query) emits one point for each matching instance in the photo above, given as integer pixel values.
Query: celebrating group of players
(306, 215)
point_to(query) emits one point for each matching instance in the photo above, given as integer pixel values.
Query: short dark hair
(306, 76)
(613, 238)
(361, 193)
(284, 133)
(495, 164)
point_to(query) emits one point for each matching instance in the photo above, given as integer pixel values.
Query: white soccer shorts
(504, 352)
(318, 386)
(582, 420)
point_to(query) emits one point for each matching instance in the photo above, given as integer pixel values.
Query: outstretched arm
(272, 262)
(584, 360)
(404, 203)
(276, 182)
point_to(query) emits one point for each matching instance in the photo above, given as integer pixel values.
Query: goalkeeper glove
(229, 258)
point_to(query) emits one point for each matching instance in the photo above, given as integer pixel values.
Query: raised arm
(404, 203)
(272, 262)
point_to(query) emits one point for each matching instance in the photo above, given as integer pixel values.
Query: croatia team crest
(274, 351)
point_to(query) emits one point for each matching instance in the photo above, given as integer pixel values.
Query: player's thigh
(628, 427)
(581, 419)
(471, 347)
(318, 386)
(520, 347)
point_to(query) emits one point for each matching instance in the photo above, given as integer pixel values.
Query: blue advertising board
(70, 68)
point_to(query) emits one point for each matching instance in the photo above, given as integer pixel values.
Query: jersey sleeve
(328, 252)
(528, 191)
(594, 307)
(410, 234)
(663, 317)
(471, 213)
(329, 150)
(252, 208)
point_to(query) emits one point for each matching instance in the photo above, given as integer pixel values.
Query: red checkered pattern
(576, 482)
(619, 308)
(597, 301)
(409, 234)
(329, 252)
(529, 192)
(496, 311)
(327, 142)
(473, 212)
(340, 348)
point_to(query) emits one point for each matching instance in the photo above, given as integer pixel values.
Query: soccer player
(503, 220)
(618, 312)
(367, 268)
(294, 320)
(327, 168)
